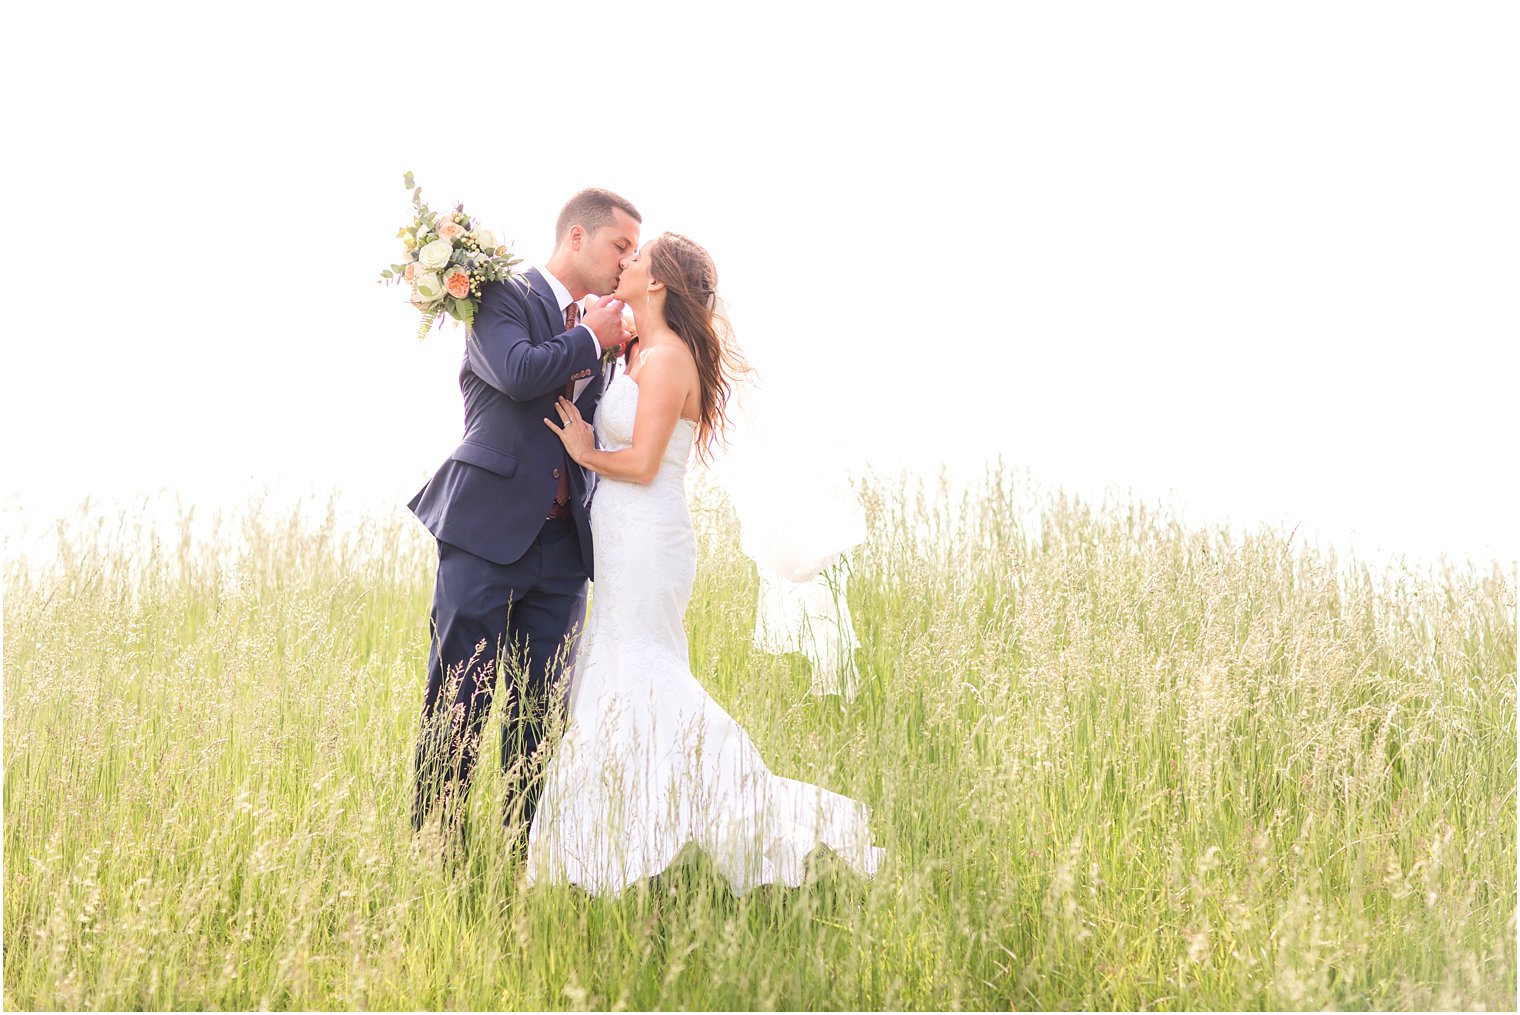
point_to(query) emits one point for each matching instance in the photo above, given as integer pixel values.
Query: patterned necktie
(562, 490)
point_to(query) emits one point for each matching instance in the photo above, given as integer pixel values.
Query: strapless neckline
(625, 374)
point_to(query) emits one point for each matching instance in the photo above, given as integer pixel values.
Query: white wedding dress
(650, 764)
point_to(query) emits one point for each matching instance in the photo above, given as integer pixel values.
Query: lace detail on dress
(614, 424)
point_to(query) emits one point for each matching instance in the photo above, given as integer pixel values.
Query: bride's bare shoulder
(669, 358)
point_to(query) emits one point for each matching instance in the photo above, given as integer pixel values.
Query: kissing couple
(571, 470)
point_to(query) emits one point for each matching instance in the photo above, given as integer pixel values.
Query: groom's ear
(575, 236)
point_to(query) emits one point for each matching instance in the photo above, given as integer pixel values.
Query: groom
(509, 510)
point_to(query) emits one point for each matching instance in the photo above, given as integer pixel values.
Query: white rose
(429, 286)
(486, 239)
(435, 255)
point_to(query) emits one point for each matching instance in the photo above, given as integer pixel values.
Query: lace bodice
(614, 425)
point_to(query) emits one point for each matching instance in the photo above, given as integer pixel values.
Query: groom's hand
(605, 319)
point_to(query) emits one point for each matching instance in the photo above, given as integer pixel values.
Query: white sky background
(1260, 262)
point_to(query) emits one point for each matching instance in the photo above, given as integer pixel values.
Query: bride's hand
(576, 433)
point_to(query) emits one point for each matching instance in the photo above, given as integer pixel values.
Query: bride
(650, 764)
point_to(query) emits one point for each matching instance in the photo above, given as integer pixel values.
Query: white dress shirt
(563, 296)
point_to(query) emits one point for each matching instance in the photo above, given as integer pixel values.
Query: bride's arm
(664, 380)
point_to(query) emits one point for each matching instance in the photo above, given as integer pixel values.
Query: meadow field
(1116, 761)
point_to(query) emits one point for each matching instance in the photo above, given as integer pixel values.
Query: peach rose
(458, 284)
(450, 230)
(410, 274)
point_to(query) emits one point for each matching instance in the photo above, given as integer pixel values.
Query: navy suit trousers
(519, 615)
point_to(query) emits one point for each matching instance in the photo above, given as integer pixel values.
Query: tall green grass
(1117, 762)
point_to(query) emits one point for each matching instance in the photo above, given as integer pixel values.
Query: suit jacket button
(556, 473)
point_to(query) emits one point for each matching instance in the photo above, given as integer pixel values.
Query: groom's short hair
(591, 209)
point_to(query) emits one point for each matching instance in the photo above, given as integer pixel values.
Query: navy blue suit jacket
(493, 493)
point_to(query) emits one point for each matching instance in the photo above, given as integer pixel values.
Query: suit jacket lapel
(548, 306)
(549, 310)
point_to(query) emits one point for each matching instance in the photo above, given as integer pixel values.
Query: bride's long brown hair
(691, 310)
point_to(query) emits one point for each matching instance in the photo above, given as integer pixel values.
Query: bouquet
(449, 257)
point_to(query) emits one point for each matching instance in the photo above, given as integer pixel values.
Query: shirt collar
(560, 292)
